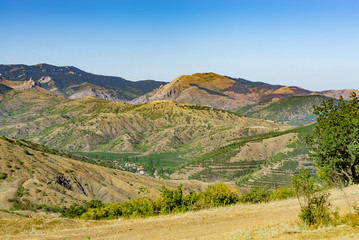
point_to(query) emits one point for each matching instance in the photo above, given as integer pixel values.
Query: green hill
(266, 159)
(292, 110)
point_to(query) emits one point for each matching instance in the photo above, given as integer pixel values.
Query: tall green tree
(334, 145)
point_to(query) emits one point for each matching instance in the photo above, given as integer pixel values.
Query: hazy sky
(308, 43)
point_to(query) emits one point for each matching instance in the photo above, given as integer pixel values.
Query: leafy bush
(282, 193)
(3, 175)
(170, 201)
(256, 195)
(76, 210)
(316, 212)
(220, 195)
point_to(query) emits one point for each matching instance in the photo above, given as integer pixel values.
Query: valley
(167, 133)
(188, 120)
(70, 140)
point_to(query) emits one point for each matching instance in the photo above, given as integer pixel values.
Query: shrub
(220, 194)
(316, 213)
(315, 208)
(170, 201)
(282, 193)
(256, 195)
(3, 175)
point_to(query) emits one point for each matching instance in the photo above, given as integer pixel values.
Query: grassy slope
(291, 110)
(32, 173)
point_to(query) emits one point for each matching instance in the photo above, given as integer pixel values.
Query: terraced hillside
(31, 174)
(292, 110)
(74, 83)
(267, 159)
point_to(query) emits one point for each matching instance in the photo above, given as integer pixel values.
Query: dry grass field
(274, 220)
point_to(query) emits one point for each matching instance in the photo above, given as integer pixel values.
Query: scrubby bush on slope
(170, 201)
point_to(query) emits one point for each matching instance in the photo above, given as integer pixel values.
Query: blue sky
(313, 44)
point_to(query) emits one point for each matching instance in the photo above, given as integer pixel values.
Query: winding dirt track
(221, 223)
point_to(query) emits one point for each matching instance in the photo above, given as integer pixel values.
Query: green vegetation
(292, 110)
(315, 208)
(217, 165)
(172, 201)
(257, 195)
(3, 175)
(160, 162)
(288, 162)
(334, 145)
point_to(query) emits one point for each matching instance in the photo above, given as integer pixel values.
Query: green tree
(334, 145)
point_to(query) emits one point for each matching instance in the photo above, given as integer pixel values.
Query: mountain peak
(72, 82)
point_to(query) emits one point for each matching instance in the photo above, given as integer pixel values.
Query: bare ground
(275, 220)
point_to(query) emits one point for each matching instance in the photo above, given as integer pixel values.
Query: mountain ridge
(72, 82)
(92, 124)
(208, 89)
(223, 92)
